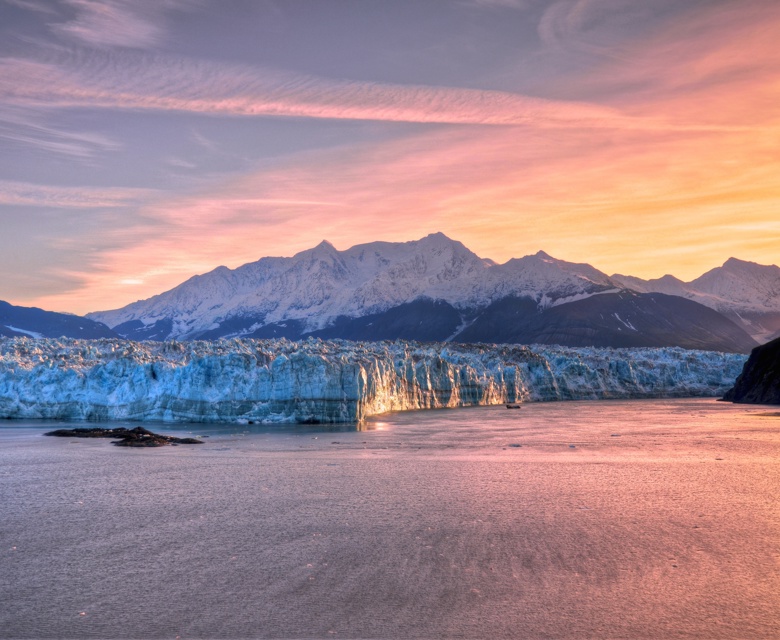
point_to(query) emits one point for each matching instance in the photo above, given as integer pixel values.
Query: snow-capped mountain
(430, 289)
(745, 292)
(315, 287)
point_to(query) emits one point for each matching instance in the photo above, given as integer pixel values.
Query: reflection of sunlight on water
(635, 424)
(271, 429)
(636, 428)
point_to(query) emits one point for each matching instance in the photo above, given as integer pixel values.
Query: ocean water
(611, 519)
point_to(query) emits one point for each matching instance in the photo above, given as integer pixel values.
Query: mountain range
(745, 292)
(437, 289)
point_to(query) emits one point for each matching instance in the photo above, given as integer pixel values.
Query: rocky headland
(759, 382)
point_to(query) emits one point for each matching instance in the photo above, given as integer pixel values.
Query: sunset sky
(144, 141)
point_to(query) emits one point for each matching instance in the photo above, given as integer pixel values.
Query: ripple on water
(448, 531)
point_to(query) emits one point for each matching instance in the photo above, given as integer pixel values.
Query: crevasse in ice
(327, 381)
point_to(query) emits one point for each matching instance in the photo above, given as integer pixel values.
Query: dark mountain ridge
(32, 322)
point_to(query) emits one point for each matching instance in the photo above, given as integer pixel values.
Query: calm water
(624, 519)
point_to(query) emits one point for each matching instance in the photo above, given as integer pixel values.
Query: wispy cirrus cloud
(38, 6)
(596, 26)
(28, 128)
(150, 82)
(106, 23)
(117, 23)
(27, 194)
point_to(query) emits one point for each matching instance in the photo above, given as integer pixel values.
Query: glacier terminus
(328, 381)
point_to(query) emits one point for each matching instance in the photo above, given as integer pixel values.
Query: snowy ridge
(746, 292)
(317, 285)
(327, 381)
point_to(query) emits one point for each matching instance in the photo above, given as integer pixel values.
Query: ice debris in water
(314, 381)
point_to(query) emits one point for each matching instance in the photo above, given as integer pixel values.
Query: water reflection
(661, 521)
(200, 428)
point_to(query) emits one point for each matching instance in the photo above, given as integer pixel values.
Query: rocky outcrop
(759, 382)
(328, 381)
(137, 437)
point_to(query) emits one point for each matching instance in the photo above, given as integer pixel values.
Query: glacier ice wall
(327, 381)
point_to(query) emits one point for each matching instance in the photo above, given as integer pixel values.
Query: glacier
(316, 381)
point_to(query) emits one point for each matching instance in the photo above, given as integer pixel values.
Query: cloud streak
(26, 194)
(146, 82)
(33, 5)
(591, 26)
(107, 23)
(116, 23)
(25, 127)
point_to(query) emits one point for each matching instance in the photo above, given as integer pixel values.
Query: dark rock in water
(759, 382)
(138, 437)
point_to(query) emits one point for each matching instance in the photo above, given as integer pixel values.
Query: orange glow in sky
(660, 155)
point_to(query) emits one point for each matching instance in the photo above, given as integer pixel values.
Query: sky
(145, 141)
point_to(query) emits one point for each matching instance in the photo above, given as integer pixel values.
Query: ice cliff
(327, 381)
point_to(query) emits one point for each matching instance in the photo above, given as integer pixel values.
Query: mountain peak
(438, 239)
(736, 263)
(542, 255)
(324, 248)
(438, 243)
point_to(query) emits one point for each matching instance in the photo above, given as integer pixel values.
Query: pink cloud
(164, 83)
(715, 67)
